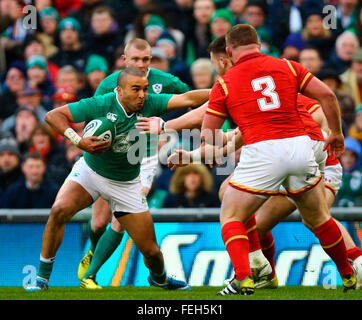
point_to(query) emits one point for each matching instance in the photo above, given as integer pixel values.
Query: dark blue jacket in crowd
(19, 196)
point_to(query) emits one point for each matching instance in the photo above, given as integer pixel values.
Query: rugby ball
(102, 128)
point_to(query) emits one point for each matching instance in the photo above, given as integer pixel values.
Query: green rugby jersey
(115, 163)
(158, 82)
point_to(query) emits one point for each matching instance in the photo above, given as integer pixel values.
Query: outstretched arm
(194, 98)
(190, 120)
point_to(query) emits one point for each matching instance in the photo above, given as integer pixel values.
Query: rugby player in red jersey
(259, 93)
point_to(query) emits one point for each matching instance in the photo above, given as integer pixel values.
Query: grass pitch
(197, 293)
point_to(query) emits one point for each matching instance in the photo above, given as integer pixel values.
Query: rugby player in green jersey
(106, 171)
(104, 241)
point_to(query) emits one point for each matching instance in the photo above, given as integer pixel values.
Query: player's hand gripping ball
(102, 128)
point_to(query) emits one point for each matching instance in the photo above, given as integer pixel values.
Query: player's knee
(99, 224)
(151, 251)
(61, 212)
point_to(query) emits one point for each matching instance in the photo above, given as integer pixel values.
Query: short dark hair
(218, 46)
(102, 9)
(33, 155)
(129, 71)
(241, 35)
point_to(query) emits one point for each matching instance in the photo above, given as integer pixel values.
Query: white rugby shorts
(320, 157)
(333, 177)
(148, 170)
(122, 196)
(266, 165)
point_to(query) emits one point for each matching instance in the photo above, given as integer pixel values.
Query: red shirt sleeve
(217, 98)
(310, 104)
(302, 74)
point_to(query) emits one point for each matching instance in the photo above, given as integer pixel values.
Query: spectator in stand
(316, 35)
(350, 193)
(346, 45)
(200, 37)
(202, 73)
(29, 98)
(25, 122)
(176, 65)
(180, 14)
(159, 60)
(96, 70)
(83, 15)
(352, 78)
(154, 27)
(34, 191)
(12, 38)
(68, 77)
(256, 13)
(347, 14)
(331, 78)
(310, 59)
(65, 6)
(357, 27)
(49, 19)
(34, 45)
(355, 130)
(221, 22)
(43, 140)
(237, 7)
(347, 107)
(14, 83)
(10, 170)
(70, 52)
(142, 19)
(105, 35)
(39, 79)
(191, 187)
(292, 47)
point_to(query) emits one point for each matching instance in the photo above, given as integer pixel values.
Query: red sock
(332, 242)
(237, 245)
(268, 248)
(252, 233)
(354, 253)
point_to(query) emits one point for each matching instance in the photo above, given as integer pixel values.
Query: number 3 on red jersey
(257, 85)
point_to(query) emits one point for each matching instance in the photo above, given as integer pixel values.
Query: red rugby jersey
(312, 106)
(260, 94)
(306, 106)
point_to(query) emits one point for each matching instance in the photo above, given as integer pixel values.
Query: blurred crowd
(62, 53)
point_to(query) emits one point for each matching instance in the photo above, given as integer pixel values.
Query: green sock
(94, 236)
(45, 268)
(104, 249)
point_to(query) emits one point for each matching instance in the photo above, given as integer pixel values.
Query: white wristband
(72, 136)
(196, 156)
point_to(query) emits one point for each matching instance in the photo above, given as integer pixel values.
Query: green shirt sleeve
(90, 108)
(108, 84)
(156, 104)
